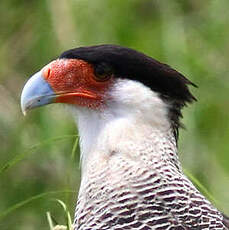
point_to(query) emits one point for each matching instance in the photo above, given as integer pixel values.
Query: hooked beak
(36, 92)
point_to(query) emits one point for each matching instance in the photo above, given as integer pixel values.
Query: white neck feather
(133, 116)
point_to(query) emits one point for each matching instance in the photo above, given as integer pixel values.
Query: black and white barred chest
(131, 194)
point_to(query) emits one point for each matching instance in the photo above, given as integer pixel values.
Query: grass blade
(30, 199)
(201, 187)
(67, 214)
(51, 226)
(20, 156)
(75, 147)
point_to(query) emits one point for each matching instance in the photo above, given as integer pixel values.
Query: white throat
(134, 115)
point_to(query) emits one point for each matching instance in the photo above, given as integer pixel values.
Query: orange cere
(73, 80)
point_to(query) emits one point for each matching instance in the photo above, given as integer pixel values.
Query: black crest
(171, 85)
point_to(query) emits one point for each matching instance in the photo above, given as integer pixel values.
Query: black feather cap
(171, 85)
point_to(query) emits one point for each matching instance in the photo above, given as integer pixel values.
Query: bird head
(110, 77)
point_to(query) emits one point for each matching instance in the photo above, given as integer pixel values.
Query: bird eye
(103, 72)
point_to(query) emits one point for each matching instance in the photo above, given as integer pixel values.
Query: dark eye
(103, 72)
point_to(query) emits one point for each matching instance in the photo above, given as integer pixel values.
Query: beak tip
(23, 107)
(24, 102)
(24, 112)
(36, 92)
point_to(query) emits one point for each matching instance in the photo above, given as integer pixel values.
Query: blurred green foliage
(192, 36)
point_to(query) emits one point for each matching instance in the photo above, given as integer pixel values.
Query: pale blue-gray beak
(36, 92)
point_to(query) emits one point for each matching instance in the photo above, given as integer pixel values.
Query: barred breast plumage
(147, 192)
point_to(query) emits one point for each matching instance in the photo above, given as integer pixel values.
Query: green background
(191, 36)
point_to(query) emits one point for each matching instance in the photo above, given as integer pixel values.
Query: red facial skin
(74, 82)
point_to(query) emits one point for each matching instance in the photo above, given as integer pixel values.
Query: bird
(127, 107)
